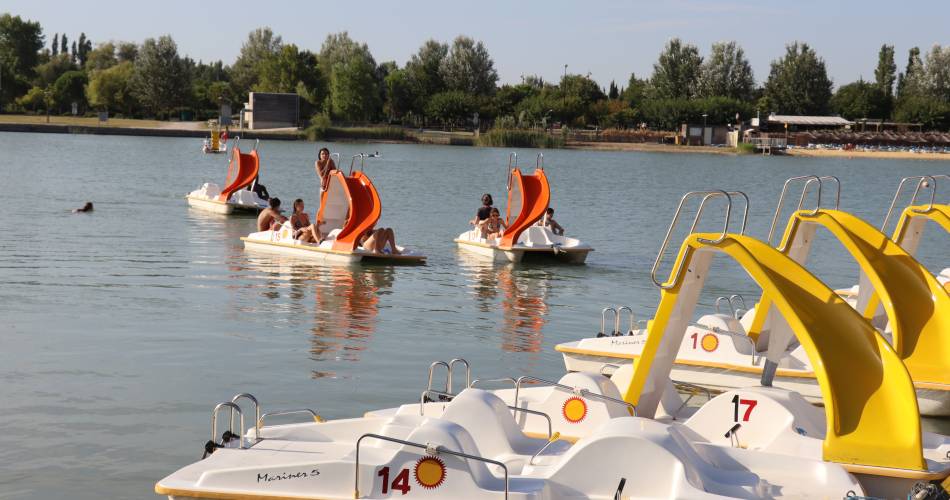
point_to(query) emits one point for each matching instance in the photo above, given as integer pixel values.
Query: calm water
(121, 328)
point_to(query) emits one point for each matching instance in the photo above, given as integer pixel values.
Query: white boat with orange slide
(762, 442)
(236, 197)
(726, 351)
(349, 208)
(528, 199)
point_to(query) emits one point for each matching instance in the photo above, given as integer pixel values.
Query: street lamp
(704, 128)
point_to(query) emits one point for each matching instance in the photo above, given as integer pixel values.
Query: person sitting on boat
(224, 135)
(483, 211)
(493, 226)
(324, 165)
(377, 240)
(259, 189)
(303, 229)
(548, 221)
(270, 217)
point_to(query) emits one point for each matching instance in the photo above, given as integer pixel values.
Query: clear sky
(609, 39)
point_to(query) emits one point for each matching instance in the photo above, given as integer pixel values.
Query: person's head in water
(274, 203)
(487, 201)
(324, 154)
(85, 208)
(298, 206)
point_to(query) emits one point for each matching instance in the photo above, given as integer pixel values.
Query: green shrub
(384, 133)
(319, 125)
(508, 138)
(745, 148)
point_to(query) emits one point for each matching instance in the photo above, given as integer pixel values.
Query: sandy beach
(879, 155)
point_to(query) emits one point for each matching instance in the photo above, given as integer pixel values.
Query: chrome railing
(923, 182)
(579, 392)
(809, 180)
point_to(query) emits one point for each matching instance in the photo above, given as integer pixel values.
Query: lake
(123, 327)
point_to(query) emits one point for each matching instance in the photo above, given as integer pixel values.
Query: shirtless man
(270, 216)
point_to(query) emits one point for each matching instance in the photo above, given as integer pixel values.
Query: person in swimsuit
(493, 226)
(376, 240)
(303, 229)
(270, 217)
(324, 165)
(483, 211)
(548, 221)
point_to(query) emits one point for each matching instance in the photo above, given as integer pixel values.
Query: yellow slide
(870, 402)
(915, 303)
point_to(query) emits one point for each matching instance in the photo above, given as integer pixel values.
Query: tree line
(452, 84)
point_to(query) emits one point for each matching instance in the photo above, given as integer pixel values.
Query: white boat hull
(220, 207)
(282, 242)
(536, 241)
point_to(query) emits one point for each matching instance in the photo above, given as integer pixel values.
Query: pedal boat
(528, 198)
(236, 197)
(723, 352)
(349, 207)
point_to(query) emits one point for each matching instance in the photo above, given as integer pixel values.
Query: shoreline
(144, 128)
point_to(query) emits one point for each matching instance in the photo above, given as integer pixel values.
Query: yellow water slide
(915, 303)
(870, 402)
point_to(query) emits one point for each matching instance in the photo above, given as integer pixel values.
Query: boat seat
(536, 236)
(494, 431)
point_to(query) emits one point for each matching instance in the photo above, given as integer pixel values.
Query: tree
(70, 88)
(102, 57)
(911, 81)
(353, 89)
(398, 94)
(726, 72)
(49, 71)
(54, 47)
(63, 45)
(354, 85)
(930, 112)
(636, 90)
(422, 73)
(73, 53)
(452, 107)
(82, 49)
(938, 72)
(159, 79)
(614, 92)
(20, 43)
(293, 70)
(110, 90)
(261, 44)
(34, 99)
(469, 68)
(860, 99)
(886, 72)
(798, 82)
(676, 72)
(126, 52)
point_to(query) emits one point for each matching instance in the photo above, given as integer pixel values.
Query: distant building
(266, 110)
(797, 123)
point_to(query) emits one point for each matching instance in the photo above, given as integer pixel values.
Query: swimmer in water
(85, 208)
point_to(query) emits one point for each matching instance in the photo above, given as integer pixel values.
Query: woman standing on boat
(324, 165)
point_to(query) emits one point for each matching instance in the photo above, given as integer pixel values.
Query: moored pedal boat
(236, 196)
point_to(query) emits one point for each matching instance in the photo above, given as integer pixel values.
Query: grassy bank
(513, 138)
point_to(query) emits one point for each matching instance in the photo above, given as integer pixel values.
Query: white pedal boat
(721, 352)
(349, 207)
(528, 198)
(236, 197)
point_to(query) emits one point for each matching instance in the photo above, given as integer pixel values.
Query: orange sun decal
(710, 342)
(574, 410)
(429, 472)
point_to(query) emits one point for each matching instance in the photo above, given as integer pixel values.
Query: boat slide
(243, 170)
(722, 351)
(751, 443)
(528, 198)
(349, 207)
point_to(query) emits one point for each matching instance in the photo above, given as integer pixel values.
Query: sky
(608, 39)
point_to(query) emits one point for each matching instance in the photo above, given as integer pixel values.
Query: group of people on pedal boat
(376, 240)
(489, 222)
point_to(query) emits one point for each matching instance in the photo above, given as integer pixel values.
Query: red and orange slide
(528, 231)
(349, 209)
(243, 169)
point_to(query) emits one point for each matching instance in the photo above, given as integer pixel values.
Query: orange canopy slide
(350, 203)
(248, 167)
(528, 198)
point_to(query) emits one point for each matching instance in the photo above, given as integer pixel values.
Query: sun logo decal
(710, 342)
(574, 410)
(429, 472)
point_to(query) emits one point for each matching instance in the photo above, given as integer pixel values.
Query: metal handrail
(603, 321)
(695, 389)
(362, 157)
(743, 336)
(422, 405)
(432, 370)
(809, 180)
(726, 299)
(487, 380)
(551, 440)
(511, 165)
(257, 142)
(737, 298)
(214, 422)
(536, 412)
(253, 400)
(431, 449)
(539, 162)
(468, 372)
(316, 417)
(707, 195)
(583, 393)
(608, 365)
(921, 183)
(632, 323)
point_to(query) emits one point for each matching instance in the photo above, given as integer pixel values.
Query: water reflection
(520, 292)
